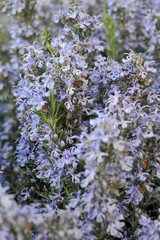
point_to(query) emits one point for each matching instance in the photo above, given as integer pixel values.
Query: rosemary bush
(80, 125)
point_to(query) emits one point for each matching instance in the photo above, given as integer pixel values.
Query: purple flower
(133, 195)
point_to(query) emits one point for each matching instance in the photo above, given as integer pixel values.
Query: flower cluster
(33, 222)
(24, 20)
(121, 154)
(136, 23)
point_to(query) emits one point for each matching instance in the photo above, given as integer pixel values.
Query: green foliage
(74, 3)
(2, 37)
(45, 41)
(112, 44)
(28, 12)
(158, 24)
(38, 188)
(51, 116)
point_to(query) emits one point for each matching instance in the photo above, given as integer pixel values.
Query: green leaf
(61, 134)
(51, 97)
(44, 36)
(112, 44)
(43, 195)
(45, 40)
(53, 109)
(66, 191)
(49, 47)
(58, 109)
(41, 115)
(158, 24)
(53, 125)
(104, 9)
(52, 116)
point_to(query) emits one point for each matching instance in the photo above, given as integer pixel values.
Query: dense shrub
(80, 123)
